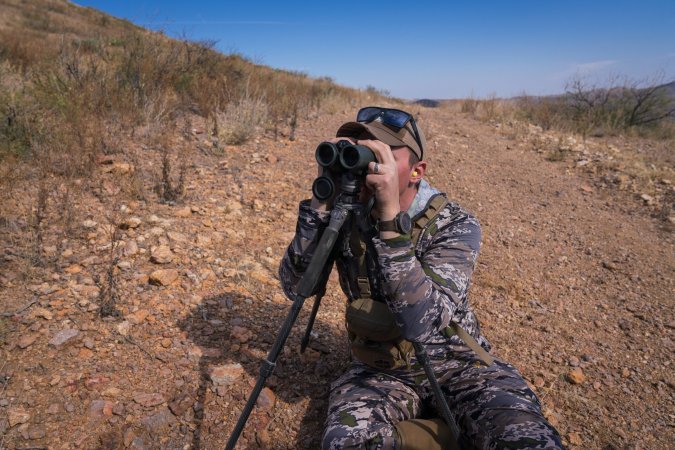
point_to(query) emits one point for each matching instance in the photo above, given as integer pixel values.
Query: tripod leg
(310, 323)
(305, 287)
(423, 358)
(266, 370)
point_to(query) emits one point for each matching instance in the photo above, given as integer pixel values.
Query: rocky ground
(574, 286)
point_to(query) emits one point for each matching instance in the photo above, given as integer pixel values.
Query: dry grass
(77, 85)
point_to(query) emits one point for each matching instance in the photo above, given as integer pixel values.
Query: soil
(574, 286)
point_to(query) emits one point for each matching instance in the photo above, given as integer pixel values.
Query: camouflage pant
(493, 407)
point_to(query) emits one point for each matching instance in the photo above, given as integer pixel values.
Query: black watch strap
(400, 224)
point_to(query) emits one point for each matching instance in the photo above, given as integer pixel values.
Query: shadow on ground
(230, 330)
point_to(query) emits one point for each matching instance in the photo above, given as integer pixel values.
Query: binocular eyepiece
(339, 158)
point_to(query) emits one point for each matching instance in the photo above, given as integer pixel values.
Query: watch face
(404, 222)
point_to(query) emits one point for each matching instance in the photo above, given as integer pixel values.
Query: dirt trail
(574, 286)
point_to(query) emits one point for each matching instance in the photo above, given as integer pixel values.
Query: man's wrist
(318, 205)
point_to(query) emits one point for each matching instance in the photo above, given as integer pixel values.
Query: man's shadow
(230, 328)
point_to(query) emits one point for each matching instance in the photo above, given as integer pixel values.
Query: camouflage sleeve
(301, 249)
(425, 294)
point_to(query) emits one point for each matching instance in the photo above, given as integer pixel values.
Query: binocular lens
(323, 188)
(327, 154)
(356, 157)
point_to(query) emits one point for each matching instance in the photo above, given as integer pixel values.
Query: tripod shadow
(234, 331)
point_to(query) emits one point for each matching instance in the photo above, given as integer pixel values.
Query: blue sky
(430, 49)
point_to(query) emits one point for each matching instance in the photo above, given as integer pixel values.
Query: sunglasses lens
(368, 114)
(396, 118)
(392, 117)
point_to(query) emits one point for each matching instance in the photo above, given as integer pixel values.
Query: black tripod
(346, 209)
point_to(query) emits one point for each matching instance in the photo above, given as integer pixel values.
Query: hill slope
(574, 283)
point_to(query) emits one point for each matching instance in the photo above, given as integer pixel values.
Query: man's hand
(383, 182)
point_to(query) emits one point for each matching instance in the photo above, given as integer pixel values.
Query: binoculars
(339, 158)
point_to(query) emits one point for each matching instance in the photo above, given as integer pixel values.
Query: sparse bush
(169, 191)
(489, 107)
(241, 120)
(469, 105)
(108, 296)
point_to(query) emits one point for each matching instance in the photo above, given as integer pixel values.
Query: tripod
(347, 208)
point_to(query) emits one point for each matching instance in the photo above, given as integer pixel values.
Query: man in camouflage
(381, 403)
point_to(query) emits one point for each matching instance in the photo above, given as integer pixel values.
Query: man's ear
(418, 171)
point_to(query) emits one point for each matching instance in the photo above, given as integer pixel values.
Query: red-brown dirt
(574, 286)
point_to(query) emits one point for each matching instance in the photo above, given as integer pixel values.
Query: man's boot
(420, 434)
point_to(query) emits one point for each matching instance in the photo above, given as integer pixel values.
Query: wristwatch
(400, 224)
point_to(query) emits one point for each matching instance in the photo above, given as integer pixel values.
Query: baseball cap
(389, 134)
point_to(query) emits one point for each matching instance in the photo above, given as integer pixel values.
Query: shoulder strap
(434, 206)
(424, 218)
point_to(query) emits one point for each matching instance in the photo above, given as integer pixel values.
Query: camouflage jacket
(425, 285)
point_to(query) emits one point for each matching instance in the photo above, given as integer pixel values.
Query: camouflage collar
(424, 194)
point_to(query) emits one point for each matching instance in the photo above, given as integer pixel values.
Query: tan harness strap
(436, 204)
(359, 249)
(454, 329)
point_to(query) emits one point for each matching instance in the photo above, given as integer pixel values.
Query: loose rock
(226, 374)
(163, 277)
(161, 255)
(576, 376)
(63, 336)
(17, 416)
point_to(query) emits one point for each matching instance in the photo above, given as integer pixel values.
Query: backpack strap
(434, 206)
(421, 227)
(454, 329)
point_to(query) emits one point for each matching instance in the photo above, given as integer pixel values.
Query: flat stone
(161, 255)
(89, 224)
(36, 432)
(226, 374)
(100, 408)
(73, 269)
(181, 403)
(123, 328)
(233, 205)
(138, 317)
(17, 416)
(27, 340)
(131, 223)
(63, 336)
(130, 248)
(263, 438)
(163, 277)
(176, 237)
(42, 313)
(266, 400)
(576, 376)
(159, 423)
(156, 231)
(112, 392)
(149, 399)
(184, 212)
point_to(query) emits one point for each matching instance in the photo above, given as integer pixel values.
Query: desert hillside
(141, 236)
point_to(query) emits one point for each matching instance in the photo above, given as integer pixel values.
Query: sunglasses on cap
(392, 117)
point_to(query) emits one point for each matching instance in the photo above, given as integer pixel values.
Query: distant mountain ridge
(668, 89)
